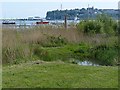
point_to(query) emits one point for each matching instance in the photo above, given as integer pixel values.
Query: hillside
(80, 14)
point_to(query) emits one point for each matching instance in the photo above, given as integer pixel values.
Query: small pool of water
(87, 63)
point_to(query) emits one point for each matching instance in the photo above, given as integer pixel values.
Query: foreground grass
(59, 75)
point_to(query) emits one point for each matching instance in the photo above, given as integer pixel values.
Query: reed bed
(17, 42)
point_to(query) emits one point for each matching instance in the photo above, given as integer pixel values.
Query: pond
(85, 62)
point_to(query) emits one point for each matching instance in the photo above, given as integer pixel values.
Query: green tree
(108, 24)
(102, 24)
(90, 26)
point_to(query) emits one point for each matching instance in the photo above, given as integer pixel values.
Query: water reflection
(87, 63)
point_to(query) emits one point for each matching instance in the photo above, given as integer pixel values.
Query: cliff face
(80, 14)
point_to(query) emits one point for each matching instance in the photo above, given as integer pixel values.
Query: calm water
(33, 22)
(84, 62)
(87, 63)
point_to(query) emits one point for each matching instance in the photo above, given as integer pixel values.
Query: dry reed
(17, 41)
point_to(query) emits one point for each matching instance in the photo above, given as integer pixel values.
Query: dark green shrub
(90, 26)
(108, 23)
(80, 26)
(115, 27)
(105, 55)
(102, 24)
(82, 52)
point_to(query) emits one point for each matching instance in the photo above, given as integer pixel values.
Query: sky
(28, 8)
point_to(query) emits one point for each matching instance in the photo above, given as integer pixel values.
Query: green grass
(59, 75)
(63, 53)
(52, 53)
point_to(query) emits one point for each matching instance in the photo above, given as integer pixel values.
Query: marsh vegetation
(94, 40)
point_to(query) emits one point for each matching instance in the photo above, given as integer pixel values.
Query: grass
(55, 53)
(59, 75)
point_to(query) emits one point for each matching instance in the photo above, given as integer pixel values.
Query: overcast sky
(26, 8)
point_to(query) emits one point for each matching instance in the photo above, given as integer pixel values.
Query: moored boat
(8, 22)
(42, 22)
